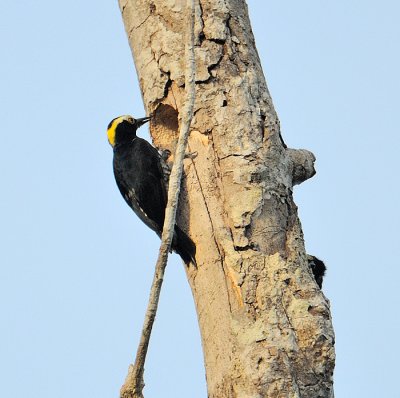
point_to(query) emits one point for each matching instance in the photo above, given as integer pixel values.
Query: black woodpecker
(318, 269)
(140, 179)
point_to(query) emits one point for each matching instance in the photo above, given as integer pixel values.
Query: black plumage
(318, 269)
(140, 179)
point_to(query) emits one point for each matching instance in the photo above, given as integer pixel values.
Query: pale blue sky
(76, 264)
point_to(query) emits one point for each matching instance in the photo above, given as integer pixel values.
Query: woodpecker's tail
(184, 246)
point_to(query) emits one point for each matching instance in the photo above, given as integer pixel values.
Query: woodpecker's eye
(131, 120)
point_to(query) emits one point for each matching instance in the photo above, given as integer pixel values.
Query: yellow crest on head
(113, 126)
(111, 136)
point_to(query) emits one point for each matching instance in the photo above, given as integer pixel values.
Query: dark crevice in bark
(143, 22)
(218, 41)
(123, 7)
(168, 84)
(210, 77)
(202, 35)
(245, 248)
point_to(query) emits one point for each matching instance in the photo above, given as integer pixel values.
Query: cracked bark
(266, 327)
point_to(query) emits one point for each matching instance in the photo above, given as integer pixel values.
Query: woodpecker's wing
(139, 178)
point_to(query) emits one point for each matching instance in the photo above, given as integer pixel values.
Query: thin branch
(134, 383)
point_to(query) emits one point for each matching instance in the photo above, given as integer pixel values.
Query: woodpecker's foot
(165, 154)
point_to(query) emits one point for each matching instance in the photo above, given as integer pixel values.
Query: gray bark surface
(266, 327)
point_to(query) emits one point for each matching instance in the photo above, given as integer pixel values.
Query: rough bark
(266, 327)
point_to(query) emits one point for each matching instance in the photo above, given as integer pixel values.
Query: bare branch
(134, 382)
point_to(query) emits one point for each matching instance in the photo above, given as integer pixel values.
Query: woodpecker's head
(122, 129)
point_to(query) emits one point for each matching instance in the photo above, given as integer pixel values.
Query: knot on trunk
(302, 165)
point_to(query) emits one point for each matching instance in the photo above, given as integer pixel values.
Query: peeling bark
(266, 327)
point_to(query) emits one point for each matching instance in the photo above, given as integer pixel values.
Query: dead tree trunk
(266, 327)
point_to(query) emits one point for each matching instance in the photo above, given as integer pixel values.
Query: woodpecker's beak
(142, 121)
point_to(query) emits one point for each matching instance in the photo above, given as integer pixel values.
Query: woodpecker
(318, 269)
(140, 179)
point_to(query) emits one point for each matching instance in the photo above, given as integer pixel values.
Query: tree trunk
(265, 325)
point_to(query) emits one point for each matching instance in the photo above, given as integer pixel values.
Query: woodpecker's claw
(165, 154)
